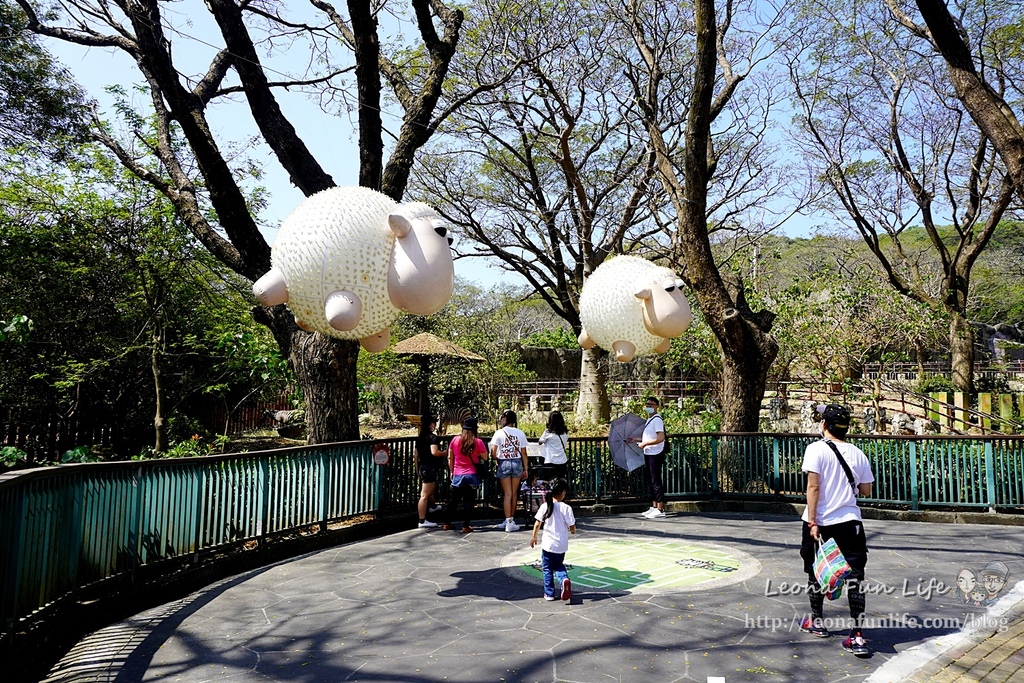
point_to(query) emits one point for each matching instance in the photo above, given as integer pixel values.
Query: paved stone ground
(426, 605)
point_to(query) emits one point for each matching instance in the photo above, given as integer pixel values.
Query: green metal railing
(76, 530)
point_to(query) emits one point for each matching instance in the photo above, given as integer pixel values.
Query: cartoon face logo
(966, 581)
(993, 579)
(981, 587)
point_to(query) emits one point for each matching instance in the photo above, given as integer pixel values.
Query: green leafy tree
(40, 104)
(126, 307)
(554, 338)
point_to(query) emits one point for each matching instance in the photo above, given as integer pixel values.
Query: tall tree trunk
(159, 420)
(326, 370)
(593, 399)
(743, 336)
(745, 365)
(961, 350)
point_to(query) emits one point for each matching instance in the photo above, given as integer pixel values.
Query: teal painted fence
(77, 529)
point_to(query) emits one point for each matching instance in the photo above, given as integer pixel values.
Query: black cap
(470, 424)
(835, 414)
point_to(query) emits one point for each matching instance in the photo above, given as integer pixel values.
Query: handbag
(480, 466)
(830, 568)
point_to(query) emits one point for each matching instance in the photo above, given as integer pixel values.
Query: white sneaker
(648, 512)
(501, 525)
(436, 508)
(511, 526)
(426, 524)
(657, 514)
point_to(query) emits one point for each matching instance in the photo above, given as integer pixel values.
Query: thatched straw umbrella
(424, 346)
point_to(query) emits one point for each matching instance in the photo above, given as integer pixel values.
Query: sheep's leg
(663, 346)
(624, 350)
(271, 290)
(585, 341)
(343, 309)
(376, 343)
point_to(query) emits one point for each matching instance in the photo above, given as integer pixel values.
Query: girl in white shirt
(558, 521)
(508, 447)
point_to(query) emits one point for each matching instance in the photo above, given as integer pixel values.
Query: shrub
(12, 457)
(935, 383)
(78, 454)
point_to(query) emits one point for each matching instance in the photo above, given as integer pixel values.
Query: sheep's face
(421, 276)
(666, 311)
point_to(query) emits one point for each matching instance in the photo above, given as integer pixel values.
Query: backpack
(510, 448)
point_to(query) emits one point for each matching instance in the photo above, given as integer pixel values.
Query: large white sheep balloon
(632, 307)
(347, 260)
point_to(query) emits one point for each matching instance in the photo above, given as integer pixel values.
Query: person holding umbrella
(653, 444)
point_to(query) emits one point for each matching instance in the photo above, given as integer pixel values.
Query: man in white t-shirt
(653, 444)
(837, 472)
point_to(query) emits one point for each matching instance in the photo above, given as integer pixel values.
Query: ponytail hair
(558, 487)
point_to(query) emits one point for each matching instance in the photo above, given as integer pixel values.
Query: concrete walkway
(693, 597)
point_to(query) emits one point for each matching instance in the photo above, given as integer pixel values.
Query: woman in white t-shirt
(508, 447)
(553, 442)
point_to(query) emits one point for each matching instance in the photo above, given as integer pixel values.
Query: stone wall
(552, 363)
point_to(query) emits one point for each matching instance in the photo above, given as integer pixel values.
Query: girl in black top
(429, 461)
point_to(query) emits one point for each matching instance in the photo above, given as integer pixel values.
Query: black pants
(466, 495)
(654, 464)
(852, 542)
(557, 471)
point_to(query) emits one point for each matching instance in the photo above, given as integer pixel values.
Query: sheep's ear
(644, 293)
(399, 225)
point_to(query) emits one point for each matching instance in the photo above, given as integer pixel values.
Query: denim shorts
(460, 480)
(513, 467)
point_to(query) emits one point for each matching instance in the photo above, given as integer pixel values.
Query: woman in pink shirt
(465, 452)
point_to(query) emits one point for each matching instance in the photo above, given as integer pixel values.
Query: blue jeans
(553, 565)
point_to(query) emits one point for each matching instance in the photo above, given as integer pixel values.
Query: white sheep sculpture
(632, 307)
(348, 260)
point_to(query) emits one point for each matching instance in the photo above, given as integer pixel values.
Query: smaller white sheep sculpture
(347, 260)
(632, 307)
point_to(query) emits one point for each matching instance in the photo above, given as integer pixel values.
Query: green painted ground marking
(641, 565)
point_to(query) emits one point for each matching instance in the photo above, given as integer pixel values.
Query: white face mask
(650, 410)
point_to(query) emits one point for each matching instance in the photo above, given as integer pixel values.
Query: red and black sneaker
(815, 627)
(856, 644)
